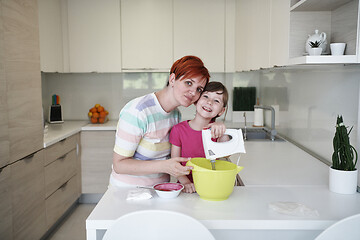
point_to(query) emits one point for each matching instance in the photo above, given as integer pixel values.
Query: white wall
(310, 100)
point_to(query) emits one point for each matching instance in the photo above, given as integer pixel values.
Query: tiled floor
(73, 226)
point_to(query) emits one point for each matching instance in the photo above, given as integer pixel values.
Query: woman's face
(187, 90)
(210, 105)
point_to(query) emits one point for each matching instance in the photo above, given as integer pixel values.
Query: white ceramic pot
(344, 182)
(337, 48)
(315, 51)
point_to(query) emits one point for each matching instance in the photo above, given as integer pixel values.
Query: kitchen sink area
(259, 134)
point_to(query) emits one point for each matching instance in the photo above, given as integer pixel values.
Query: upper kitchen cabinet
(94, 36)
(337, 18)
(53, 36)
(146, 40)
(20, 72)
(262, 33)
(199, 29)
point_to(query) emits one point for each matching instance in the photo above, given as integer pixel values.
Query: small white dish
(168, 190)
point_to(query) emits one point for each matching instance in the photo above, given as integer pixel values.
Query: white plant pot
(315, 51)
(344, 182)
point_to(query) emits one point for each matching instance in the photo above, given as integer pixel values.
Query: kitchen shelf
(317, 5)
(337, 18)
(345, 59)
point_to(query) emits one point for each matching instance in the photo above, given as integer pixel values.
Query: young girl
(186, 138)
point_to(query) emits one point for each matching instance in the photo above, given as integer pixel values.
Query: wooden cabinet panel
(22, 68)
(60, 171)
(59, 202)
(199, 29)
(60, 149)
(94, 36)
(5, 206)
(96, 160)
(28, 197)
(147, 41)
(4, 134)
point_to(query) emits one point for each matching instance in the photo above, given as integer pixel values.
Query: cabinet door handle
(29, 157)
(62, 157)
(64, 185)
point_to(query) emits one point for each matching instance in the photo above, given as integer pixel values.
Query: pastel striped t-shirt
(143, 133)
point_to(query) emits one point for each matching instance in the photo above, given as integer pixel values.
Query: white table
(246, 212)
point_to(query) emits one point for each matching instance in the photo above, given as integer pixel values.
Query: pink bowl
(168, 190)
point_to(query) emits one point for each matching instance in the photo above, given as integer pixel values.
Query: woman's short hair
(190, 67)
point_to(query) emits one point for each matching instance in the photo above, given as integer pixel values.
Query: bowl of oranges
(98, 114)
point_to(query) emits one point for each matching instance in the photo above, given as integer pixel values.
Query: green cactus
(344, 153)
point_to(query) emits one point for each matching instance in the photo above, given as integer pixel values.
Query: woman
(142, 148)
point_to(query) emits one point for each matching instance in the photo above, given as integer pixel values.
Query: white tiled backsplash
(309, 98)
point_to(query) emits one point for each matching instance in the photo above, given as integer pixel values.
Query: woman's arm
(128, 165)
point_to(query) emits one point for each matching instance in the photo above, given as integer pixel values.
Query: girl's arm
(184, 180)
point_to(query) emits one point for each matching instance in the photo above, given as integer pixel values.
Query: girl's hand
(189, 188)
(217, 129)
(173, 166)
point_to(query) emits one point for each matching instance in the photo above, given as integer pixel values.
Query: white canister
(337, 49)
(344, 182)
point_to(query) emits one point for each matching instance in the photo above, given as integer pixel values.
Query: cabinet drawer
(59, 149)
(59, 202)
(60, 171)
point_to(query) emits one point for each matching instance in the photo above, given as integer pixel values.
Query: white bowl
(168, 190)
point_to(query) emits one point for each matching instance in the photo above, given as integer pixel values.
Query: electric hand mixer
(214, 150)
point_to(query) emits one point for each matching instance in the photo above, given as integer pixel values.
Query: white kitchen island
(245, 214)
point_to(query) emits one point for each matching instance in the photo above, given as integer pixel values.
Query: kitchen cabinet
(62, 177)
(94, 36)
(261, 34)
(5, 206)
(28, 197)
(96, 160)
(20, 63)
(337, 18)
(147, 39)
(4, 134)
(199, 29)
(53, 36)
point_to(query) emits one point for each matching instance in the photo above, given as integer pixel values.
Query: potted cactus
(343, 172)
(315, 48)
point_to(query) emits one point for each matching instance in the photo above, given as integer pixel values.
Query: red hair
(189, 67)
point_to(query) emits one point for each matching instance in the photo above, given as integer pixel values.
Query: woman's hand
(217, 129)
(173, 166)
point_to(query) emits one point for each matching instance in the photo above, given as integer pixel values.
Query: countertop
(247, 208)
(54, 133)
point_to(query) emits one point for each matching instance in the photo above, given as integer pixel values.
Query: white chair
(157, 224)
(347, 228)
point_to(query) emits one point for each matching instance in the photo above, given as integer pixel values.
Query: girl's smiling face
(210, 105)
